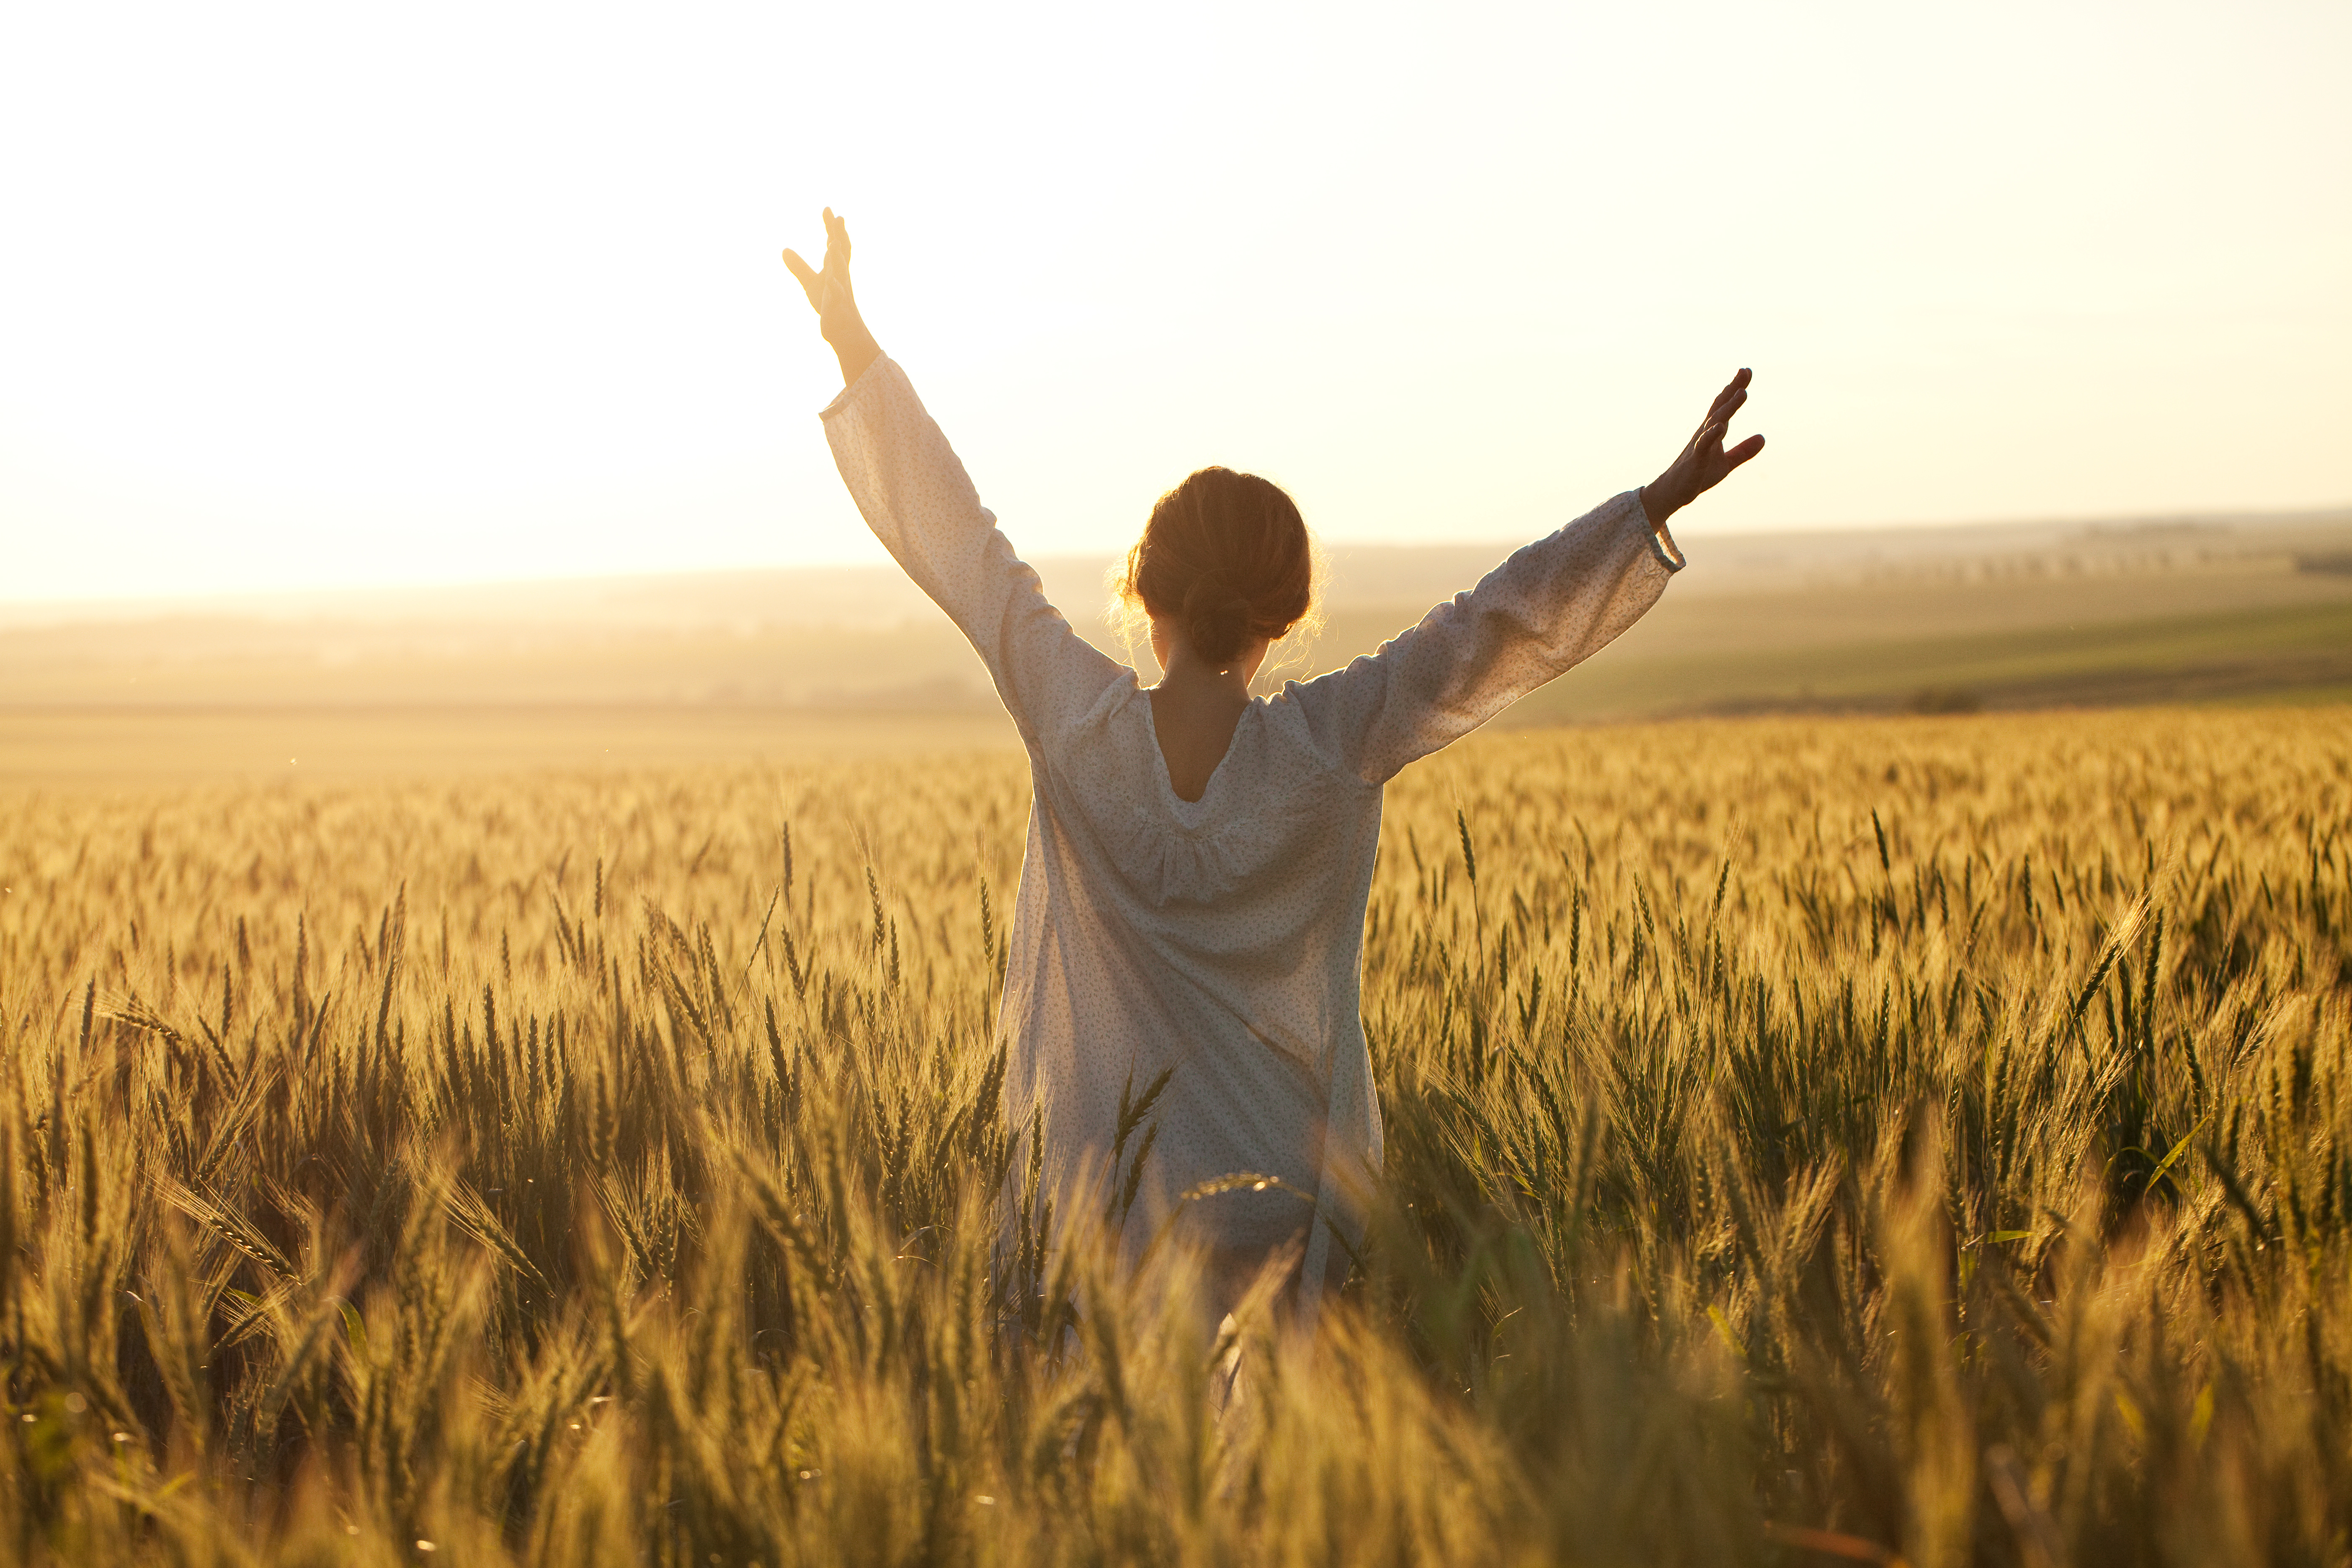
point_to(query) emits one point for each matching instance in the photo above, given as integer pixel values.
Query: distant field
(113, 749)
(1764, 632)
(851, 662)
(2301, 653)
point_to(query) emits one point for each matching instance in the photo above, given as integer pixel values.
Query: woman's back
(1195, 908)
(1194, 728)
(1216, 939)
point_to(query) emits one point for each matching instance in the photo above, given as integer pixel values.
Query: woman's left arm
(837, 316)
(914, 495)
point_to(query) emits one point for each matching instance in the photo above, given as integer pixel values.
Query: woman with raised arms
(1192, 893)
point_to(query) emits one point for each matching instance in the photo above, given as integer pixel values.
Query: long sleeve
(1553, 603)
(914, 495)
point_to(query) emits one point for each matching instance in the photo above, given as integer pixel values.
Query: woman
(1193, 893)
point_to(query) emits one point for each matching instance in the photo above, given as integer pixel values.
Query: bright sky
(310, 295)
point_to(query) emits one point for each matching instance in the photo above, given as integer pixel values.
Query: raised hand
(1702, 464)
(829, 292)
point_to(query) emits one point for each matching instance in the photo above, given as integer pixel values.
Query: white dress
(1222, 937)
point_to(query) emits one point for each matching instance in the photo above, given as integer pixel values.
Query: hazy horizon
(1071, 578)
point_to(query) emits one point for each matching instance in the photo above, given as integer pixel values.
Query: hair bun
(1226, 559)
(1216, 618)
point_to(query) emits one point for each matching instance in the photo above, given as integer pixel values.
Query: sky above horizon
(300, 296)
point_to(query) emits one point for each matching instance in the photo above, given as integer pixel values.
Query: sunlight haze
(309, 296)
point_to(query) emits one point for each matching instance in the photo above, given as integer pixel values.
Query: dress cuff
(867, 381)
(1662, 543)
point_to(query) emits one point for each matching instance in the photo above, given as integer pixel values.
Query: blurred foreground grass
(1806, 1141)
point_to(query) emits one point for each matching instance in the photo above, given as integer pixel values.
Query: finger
(1741, 453)
(836, 235)
(1729, 398)
(810, 281)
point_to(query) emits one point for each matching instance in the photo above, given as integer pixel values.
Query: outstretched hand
(828, 290)
(1702, 464)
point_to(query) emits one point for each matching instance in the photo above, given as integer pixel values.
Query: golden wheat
(1926, 1140)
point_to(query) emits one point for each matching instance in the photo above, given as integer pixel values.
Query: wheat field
(1924, 1141)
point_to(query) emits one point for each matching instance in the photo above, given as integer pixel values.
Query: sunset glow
(300, 296)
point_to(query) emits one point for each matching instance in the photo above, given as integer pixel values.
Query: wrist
(857, 350)
(844, 329)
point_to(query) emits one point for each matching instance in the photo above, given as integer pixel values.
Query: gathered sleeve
(1553, 603)
(914, 494)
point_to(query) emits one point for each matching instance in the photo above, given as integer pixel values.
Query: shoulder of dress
(1287, 719)
(1092, 718)
(1121, 689)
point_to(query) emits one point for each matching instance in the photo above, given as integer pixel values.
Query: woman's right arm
(1552, 604)
(914, 495)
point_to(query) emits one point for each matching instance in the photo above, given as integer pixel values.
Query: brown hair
(1226, 555)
